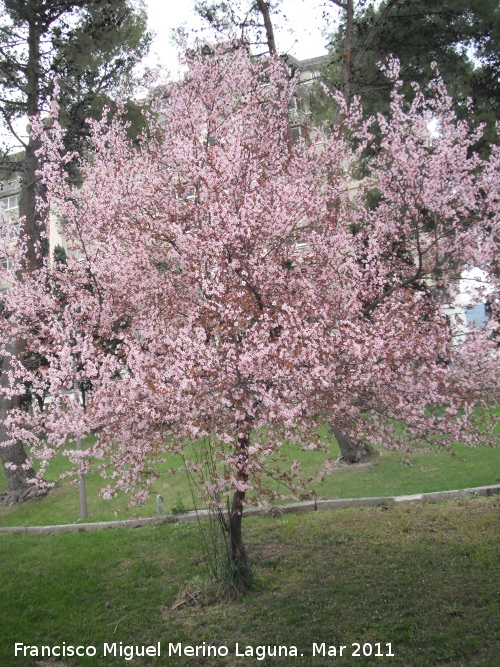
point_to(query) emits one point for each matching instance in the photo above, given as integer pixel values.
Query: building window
(9, 207)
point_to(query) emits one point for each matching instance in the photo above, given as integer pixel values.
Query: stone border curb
(294, 508)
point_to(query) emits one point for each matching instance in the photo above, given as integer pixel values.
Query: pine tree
(459, 36)
(90, 45)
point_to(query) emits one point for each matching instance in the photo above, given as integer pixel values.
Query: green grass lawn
(391, 473)
(423, 578)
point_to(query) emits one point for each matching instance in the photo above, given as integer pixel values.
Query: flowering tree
(223, 287)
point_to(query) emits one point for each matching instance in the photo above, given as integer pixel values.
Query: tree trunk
(346, 73)
(238, 557)
(346, 82)
(352, 451)
(263, 8)
(30, 226)
(350, 64)
(238, 553)
(18, 488)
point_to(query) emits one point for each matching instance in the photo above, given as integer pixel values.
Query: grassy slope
(425, 578)
(390, 474)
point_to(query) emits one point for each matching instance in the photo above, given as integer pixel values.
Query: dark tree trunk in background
(107, 37)
(350, 63)
(266, 17)
(346, 57)
(346, 6)
(18, 487)
(30, 225)
(352, 451)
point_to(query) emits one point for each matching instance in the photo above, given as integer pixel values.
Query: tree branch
(264, 10)
(373, 32)
(339, 3)
(12, 130)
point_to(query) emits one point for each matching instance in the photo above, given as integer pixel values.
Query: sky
(299, 34)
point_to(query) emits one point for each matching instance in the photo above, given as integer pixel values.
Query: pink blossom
(188, 313)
